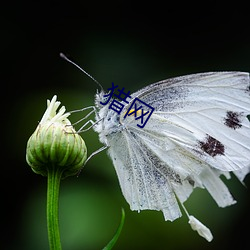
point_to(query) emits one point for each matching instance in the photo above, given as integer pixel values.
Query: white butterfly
(199, 130)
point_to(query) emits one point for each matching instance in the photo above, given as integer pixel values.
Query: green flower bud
(55, 144)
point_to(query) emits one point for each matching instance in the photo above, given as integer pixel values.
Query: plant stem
(54, 177)
(117, 234)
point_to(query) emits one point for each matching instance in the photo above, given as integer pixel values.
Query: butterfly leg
(91, 155)
(86, 116)
(96, 152)
(83, 129)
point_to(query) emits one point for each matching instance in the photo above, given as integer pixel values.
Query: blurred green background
(132, 45)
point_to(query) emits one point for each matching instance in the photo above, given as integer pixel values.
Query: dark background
(131, 44)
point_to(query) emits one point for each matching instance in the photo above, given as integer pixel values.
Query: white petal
(200, 228)
(51, 114)
(50, 110)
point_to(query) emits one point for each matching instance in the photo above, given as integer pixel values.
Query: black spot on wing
(233, 119)
(212, 146)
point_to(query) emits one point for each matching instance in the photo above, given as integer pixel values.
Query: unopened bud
(55, 143)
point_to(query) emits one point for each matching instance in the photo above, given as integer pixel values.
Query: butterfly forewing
(210, 109)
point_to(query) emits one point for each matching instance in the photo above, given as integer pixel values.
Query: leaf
(117, 234)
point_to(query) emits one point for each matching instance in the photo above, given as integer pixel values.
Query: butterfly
(199, 131)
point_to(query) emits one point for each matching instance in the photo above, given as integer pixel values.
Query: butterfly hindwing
(142, 183)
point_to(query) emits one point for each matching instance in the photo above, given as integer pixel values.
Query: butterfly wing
(211, 109)
(198, 131)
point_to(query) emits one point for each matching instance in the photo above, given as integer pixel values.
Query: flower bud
(55, 144)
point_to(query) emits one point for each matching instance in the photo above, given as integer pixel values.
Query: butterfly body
(109, 121)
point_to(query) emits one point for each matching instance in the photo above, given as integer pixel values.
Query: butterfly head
(100, 97)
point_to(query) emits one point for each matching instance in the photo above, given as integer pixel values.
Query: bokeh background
(131, 44)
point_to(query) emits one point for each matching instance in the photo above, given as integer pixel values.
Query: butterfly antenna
(68, 60)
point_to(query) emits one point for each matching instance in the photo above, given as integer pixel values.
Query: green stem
(54, 177)
(117, 234)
